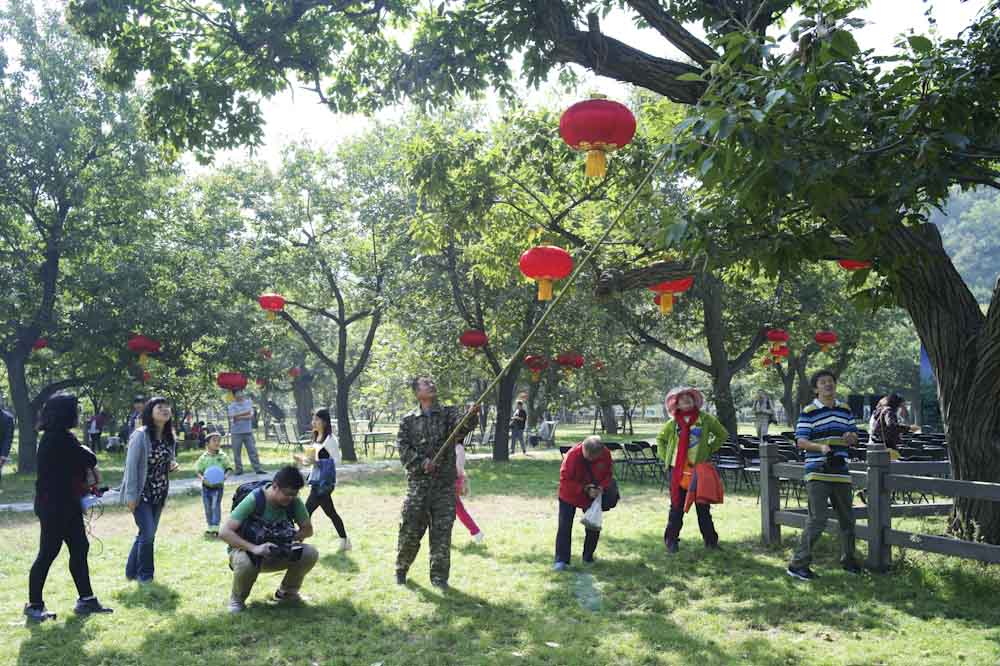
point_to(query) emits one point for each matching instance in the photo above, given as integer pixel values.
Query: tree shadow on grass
(154, 596)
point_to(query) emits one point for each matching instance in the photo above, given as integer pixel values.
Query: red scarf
(684, 421)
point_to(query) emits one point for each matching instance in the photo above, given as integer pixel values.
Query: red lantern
(231, 381)
(854, 265)
(826, 340)
(40, 343)
(597, 126)
(143, 346)
(272, 303)
(779, 353)
(536, 364)
(777, 337)
(473, 339)
(543, 264)
(295, 373)
(570, 360)
(665, 292)
(261, 383)
(766, 361)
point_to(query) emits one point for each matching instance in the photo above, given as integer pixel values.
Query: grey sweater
(136, 466)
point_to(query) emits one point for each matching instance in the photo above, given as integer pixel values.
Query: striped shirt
(826, 425)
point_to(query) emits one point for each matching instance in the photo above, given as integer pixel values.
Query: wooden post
(879, 508)
(770, 495)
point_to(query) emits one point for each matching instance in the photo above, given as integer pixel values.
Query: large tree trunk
(25, 412)
(505, 402)
(964, 350)
(715, 337)
(608, 418)
(344, 435)
(303, 394)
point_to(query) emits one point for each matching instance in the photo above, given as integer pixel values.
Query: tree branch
(310, 343)
(652, 11)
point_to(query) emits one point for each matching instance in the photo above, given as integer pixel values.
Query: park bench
(387, 439)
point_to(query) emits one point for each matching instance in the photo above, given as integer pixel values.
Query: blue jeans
(212, 499)
(140, 558)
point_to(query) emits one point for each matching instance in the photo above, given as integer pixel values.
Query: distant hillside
(970, 227)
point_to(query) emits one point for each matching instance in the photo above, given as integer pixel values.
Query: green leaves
(844, 44)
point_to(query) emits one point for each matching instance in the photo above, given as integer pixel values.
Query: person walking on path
(585, 474)
(763, 414)
(325, 457)
(63, 464)
(430, 494)
(241, 432)
(462, 488)
(146, 483)
(826, 431)
(689, 438)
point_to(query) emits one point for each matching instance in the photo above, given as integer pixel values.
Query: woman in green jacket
(689, 437)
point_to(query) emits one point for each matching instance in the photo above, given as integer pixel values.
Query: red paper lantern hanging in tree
(779, 353)
(826, 340)
(854, 265)
(777, 337)
(39, 344)
(231, 381)
(143, 346)
(543, 264)
(666, 291)
(536, 364)
(570, 361)
(272, 303)
(295, 373)
(261, 382)
(473, 339)
(766, 361)
(597, 126)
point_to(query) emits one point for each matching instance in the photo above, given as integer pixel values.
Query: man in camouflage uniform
(430, 496)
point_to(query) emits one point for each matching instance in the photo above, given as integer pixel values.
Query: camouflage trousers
(429, 503)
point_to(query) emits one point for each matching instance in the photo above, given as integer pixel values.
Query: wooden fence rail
(879, 478)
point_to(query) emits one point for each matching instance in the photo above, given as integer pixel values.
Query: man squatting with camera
(264, 533)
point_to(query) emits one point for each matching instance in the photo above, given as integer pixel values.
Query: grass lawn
(635, 606)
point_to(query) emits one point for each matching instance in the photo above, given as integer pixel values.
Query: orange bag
(706, 486)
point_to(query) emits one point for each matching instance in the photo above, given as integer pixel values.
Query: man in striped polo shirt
(825, 431)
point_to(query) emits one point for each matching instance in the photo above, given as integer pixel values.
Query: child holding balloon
(213, 469)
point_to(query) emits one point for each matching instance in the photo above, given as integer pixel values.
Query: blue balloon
(215, 475)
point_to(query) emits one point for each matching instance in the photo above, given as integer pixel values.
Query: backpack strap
(259, 502)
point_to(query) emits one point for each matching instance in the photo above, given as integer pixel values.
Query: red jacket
(574, 475)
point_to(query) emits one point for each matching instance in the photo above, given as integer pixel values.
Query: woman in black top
(62, 466)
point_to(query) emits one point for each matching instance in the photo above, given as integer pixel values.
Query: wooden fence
(880, 478)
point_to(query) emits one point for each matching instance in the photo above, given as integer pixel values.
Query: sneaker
(238, 472)
(713, 546)
(440, 584)
(236, 606)
(588, 560)
(345, 544)
(90, 607)
(259, 472)
(672, 546)
(801, 573)
(479, 537)
(288, 596)
(400, 578)
(38, 613)
(559, 566)
(208, 533)
(851, 567)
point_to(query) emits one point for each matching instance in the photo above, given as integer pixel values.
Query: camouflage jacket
(421, 436)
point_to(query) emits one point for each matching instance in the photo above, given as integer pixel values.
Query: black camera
(286, 551)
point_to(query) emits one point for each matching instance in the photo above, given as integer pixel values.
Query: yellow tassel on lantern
(824, 348)
(271, 315)
(597, 164)
(666, 302)
(544, 289)
(143, 359)
(536, 376)
(229, 397)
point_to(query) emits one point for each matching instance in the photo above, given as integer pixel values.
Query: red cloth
(706, 486)
(574, 475)
(684, 422)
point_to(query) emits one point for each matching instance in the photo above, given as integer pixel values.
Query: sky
(297, 115)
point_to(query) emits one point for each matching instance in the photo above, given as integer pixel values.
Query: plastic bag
(593, 516)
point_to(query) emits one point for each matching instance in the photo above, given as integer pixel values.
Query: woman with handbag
(325, 456)
(688, 439)
(585, 475)
(63, 464)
